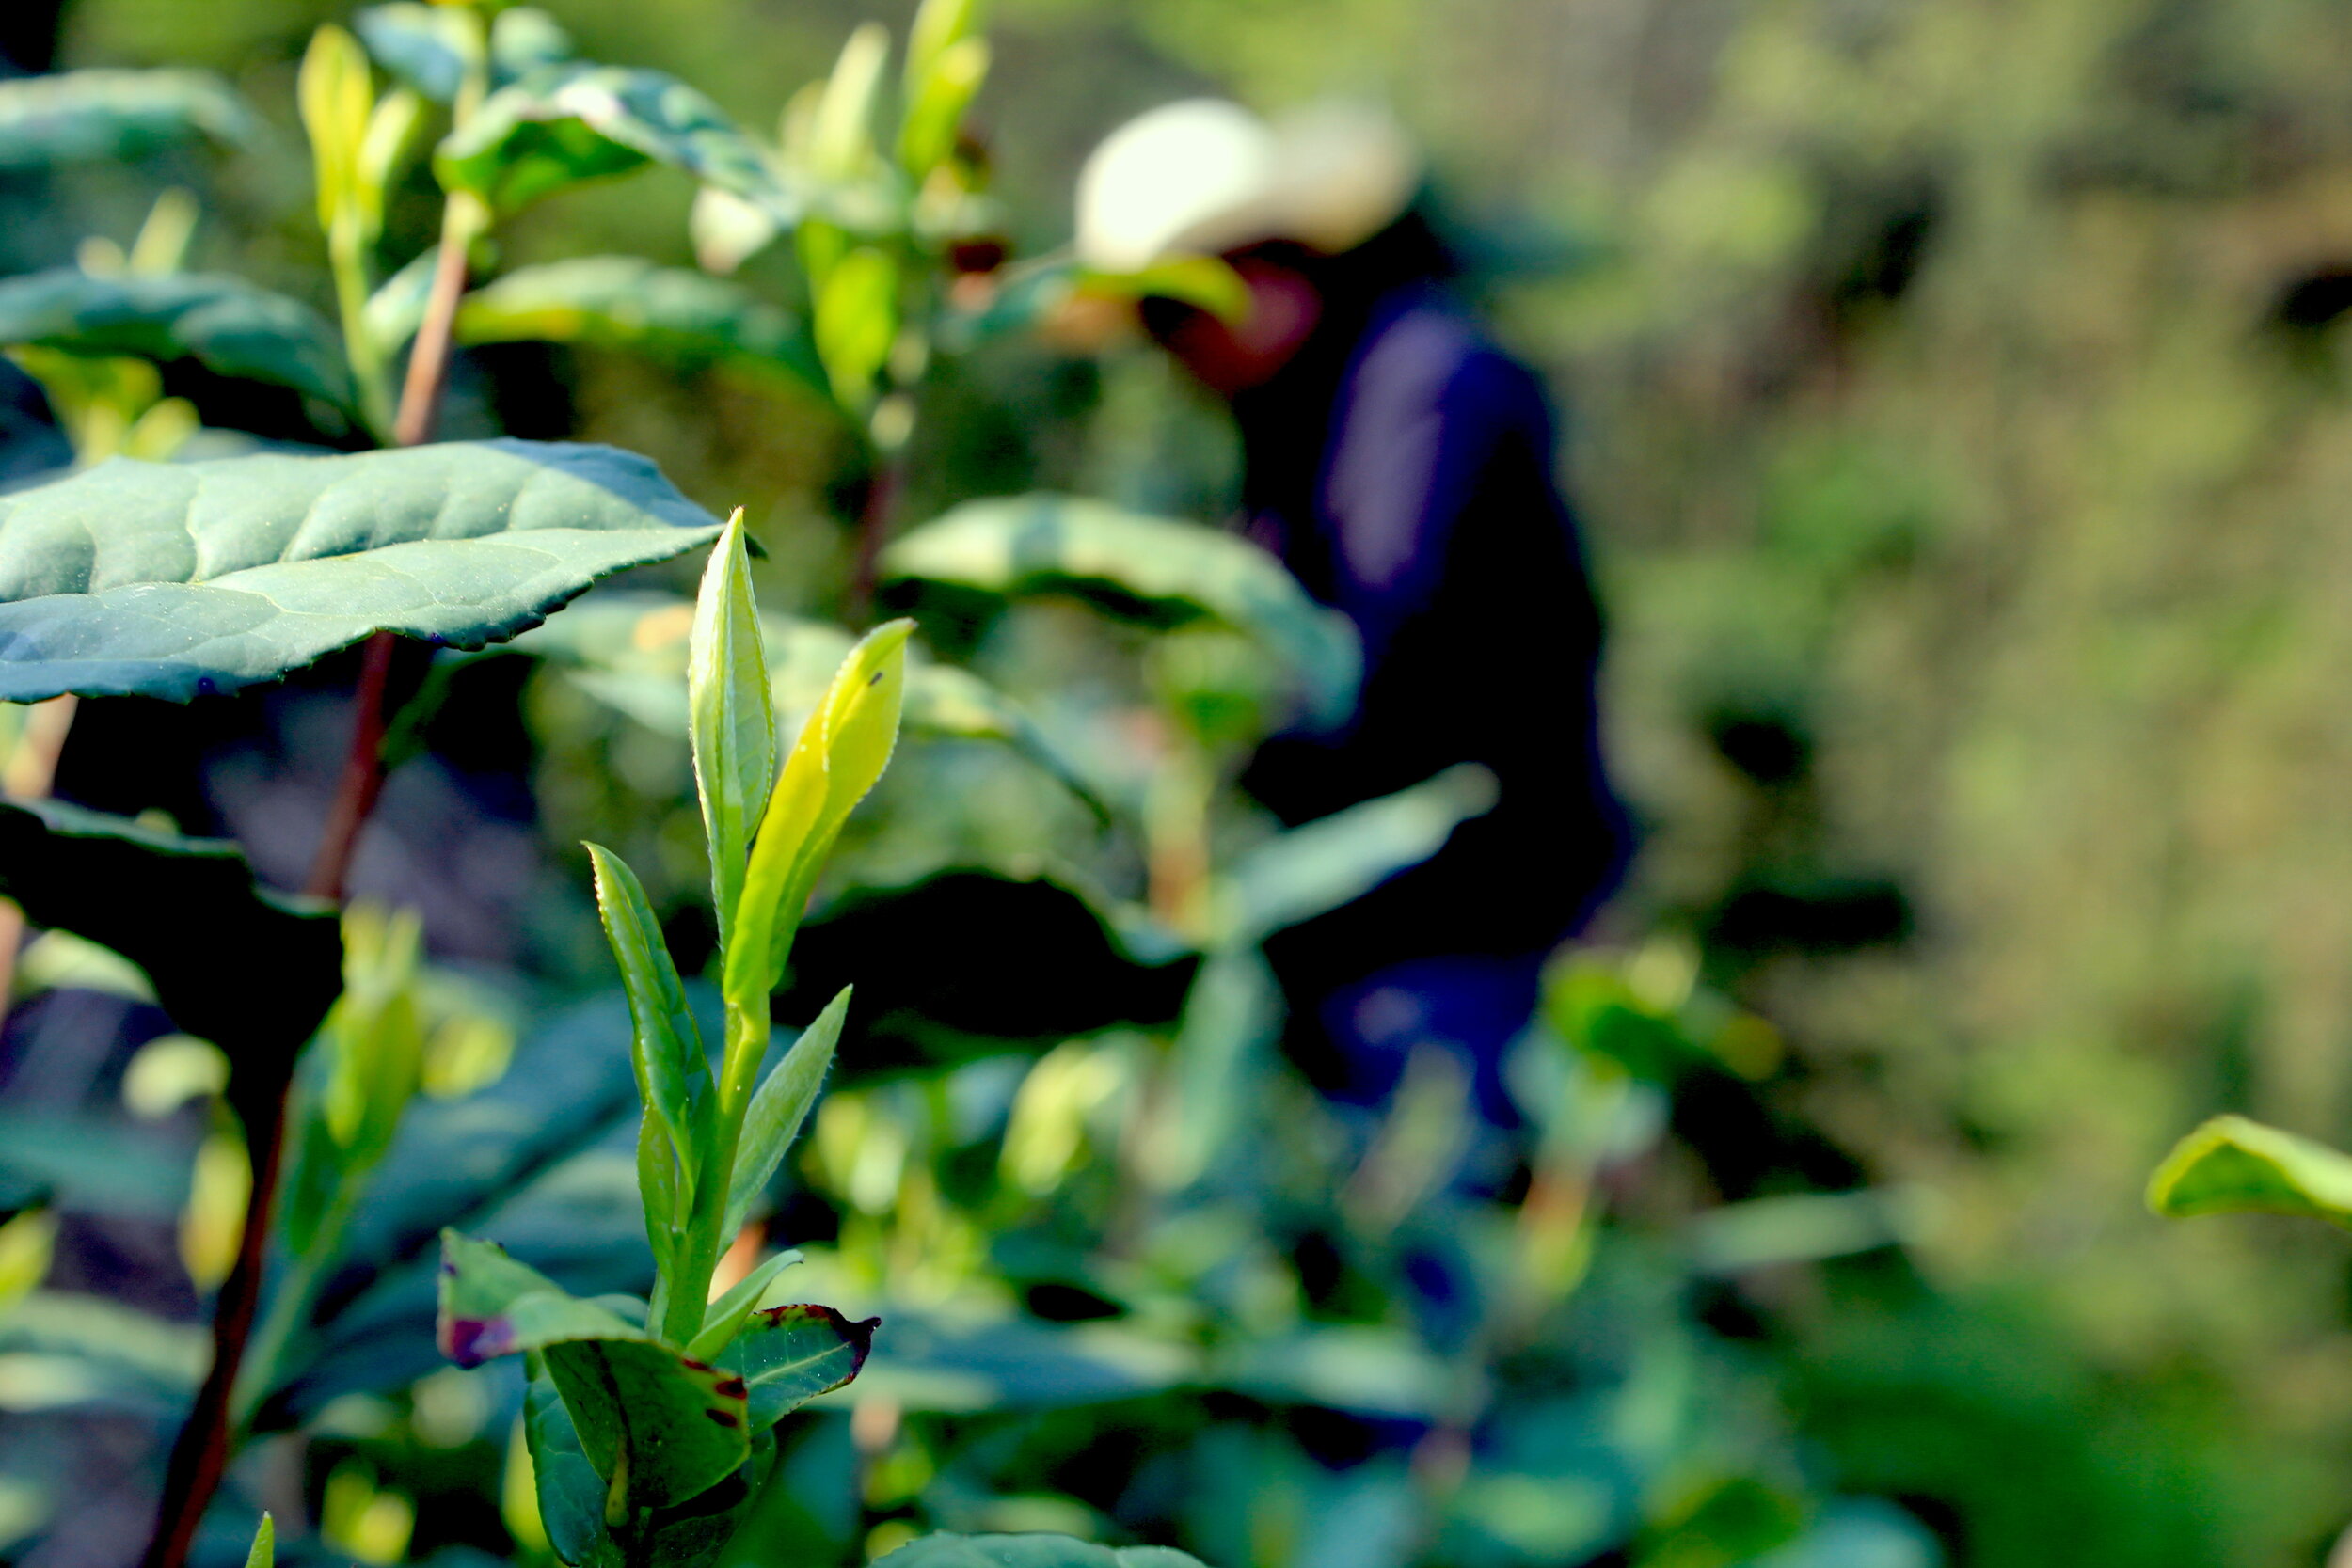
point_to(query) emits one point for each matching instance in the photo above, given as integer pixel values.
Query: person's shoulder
(1430, 350)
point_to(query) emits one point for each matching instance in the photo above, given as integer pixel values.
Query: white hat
(1204, 176)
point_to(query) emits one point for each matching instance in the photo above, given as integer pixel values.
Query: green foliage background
(1934, 412)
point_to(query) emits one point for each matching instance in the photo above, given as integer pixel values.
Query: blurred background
(1957, 411)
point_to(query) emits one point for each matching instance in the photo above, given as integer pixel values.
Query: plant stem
(199, 1456)
(873, 532)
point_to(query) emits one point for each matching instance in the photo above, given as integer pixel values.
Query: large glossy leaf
(180, 580)
(1159, 569)
(101, 115)
(684, 317)
(567, 123)
(2234, 1166)
(1029, 1551)
(230, 961)
(787, 1356)
(225, 324)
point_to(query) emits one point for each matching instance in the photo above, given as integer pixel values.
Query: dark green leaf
(179, 580)
(683, 317)
(567, 123)
(779, 1108)
(103, 1353)
(1029, 1551)
(231, 963)
(1157, 569)
(432, 48)
(673, 1070)
(225, 324)
(105, 1166)
(2234, 1166)
(107, 114)
(681, 1424)
(787, 1356)
(572, 1499)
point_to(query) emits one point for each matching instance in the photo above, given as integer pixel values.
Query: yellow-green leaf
(2234, 1166)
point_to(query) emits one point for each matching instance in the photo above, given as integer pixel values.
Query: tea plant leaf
(1322, 864)
(681, 1422)
(787, 1356)
(856, 322)
(572, 1497)
(726, 1316)
(733, 720)
(180, 580)
(683, 317)
(432, 48)
(230, 961)
(2234, 1166)
(1029, 1551)
(672, 1072)
(265, 1550)
(225, 324)
(105, 115)
(780, 1107)
(842, 750)
(1155, 569)
(567, 123)
(524, 39)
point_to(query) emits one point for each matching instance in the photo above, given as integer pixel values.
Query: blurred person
(1401, 466)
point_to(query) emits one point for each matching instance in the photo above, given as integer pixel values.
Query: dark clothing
(1401, 467)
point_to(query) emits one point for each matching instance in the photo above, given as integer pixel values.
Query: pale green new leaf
(1029, 1551)
(857, 320)
(335, 95)
(780, 1107)
(230, 326)
(180, 580)
(936, 111)
(842, 750)
(725, 1317)
(732, 719)
(625, 302)
(100, 116)
(672, 1072)
(265, 1550)
(2234, 1166)
(1157, 569)
(938, 25)
(567, 123)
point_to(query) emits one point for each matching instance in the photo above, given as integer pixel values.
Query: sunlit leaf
(937, 109)
(181, 579)
(732, 720)
(567, 123)
(103, 115)
(725, 1317)
(857, 320)
(780, 1107)
(226, 324)
(842, 750)
(2234, 1166)
(1157, 569)
(673, 1070)
(264, 1553)
(625, 302)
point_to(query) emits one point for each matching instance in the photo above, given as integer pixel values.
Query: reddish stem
(873, 532)
(199, 1456)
